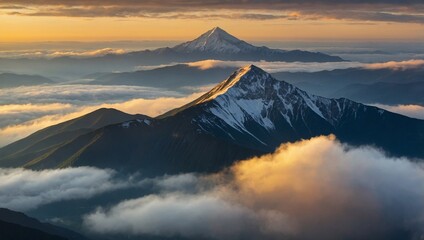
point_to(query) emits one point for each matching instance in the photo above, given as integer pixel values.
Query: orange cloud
(402, 65)
(312, 189)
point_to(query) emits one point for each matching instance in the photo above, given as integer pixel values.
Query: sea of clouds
(312, 189)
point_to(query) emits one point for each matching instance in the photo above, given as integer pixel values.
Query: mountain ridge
(248, 114)
(44, 140)
(227, 102)
(10, 80)
(34, 226)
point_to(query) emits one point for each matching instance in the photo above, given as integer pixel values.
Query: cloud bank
(313, 189)
(274, 67)
(79, 94)
(271, 67)
(22, 189)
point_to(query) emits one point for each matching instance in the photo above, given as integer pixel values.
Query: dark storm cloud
(368, 10)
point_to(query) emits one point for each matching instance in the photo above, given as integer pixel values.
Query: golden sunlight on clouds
(312, 189)
(150, 107)
(402, 65)
(26, 108)
(293, 160)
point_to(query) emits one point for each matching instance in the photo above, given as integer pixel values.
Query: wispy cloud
(402, 65)
(273, 67)
(382, 10)
(92, 53)
(17, 113)
(301, 191)
(63, 53)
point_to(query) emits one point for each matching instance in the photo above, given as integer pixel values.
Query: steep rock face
(255, 110)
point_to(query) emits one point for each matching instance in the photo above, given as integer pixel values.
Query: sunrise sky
(95, 20)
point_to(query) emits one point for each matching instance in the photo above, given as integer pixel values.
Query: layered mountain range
(384, 86)
(214, 44)
(9, 80)
(248, 114)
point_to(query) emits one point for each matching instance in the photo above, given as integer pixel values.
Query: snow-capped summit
(219, 44)
(215, 40)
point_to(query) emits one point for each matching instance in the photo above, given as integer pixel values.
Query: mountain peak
(219, 32)
(253, 69)
(217, 28)
(245, 79)
(248, 80)
(221, 45)
(215, 40)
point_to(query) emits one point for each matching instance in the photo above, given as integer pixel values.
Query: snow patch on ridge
(128, 124)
